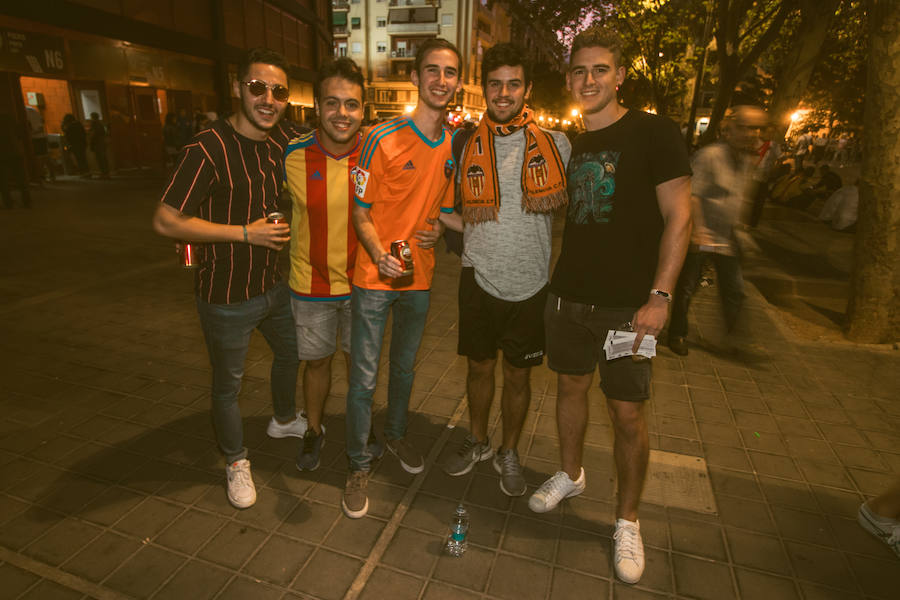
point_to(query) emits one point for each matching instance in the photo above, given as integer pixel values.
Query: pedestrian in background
(98, 144)
(76, 142)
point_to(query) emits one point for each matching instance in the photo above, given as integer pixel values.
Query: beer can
(401, 251)
(188, 256)
(276, 217)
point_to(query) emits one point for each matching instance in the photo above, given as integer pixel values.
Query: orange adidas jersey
(403, 178)
(323, 241)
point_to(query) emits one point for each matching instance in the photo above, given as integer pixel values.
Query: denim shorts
(575, 336)
(319, 323)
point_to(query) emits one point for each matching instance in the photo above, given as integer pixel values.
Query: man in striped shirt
(317, 166)
(403, 181)
(225, 183)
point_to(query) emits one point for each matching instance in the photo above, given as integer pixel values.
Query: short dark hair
(435, 44)
(599, 36)
(342, 67)
(504, 54)
(263, 56)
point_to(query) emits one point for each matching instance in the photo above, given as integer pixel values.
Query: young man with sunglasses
(323, 242)
(226, 180)
(403, 181)
(626, 235)
(512, 177)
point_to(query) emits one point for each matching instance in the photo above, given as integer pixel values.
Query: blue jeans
(227, 329)
(369, 311)
(729, 281)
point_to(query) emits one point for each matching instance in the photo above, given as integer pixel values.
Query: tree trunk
(815, 18)
(874, 307)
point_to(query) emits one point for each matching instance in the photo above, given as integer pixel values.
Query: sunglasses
(258, 88)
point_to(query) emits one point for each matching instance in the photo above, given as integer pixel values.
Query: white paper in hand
(619, 343)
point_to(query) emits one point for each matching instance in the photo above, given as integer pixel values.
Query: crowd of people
(368, 206)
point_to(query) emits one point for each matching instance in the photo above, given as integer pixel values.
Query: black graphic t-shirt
(613, 225)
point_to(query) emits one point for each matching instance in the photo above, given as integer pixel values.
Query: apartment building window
(355, 23)
(381, 47)
(341, 49)
(357, 47)
(447, 20)
(380, 21)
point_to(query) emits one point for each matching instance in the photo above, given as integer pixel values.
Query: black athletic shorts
(487, 323)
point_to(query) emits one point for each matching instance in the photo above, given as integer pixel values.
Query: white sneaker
(629, 551)
(884, 528)
(553, 490)
(295, 428)
(241, 491)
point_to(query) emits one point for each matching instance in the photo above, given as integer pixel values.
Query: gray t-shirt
(511, 256)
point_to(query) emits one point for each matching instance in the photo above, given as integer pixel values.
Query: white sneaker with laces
(554, 490)
(629, 551)
(295, 428)
(241, 491)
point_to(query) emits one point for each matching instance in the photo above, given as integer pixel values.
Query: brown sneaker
(355, 502)
(409, 457)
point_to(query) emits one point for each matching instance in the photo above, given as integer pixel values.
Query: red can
(188, 255)
(276, 217)
(401, 251)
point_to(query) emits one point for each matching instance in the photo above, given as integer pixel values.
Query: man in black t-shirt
(627, 229)
(226, 181)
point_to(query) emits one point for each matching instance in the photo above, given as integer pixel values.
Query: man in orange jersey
(402, 183)
(317, 167)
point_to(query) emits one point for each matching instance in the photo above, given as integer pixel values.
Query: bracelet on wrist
(245, 233)
(662, 294)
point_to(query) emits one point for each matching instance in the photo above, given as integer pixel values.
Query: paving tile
(734, 483)
(762, 586)
(48, 590)
(196, 580)
(568, 584)
(327, 575)
(882, 441)
(27, 526)
(149, 518)
(531, 538)
(623, 591)
(583, 551)
(871, 483)
(232, 545)
(726, 457)
(413, 551)
(15, 580)
(843, 434)
(812, 591)
(802, 525)
(745, 514)
(774, 465)
(271, 508)
(105, 553)
(851, 537)
(702, 579)
(386, 583)
(441, 591)
(708, 397)
(485, 491)
(144, 572)
(62, 541)
(583, 513)
(241, 588)
(278, 560)
(856, 456)
(355, 536)
(877, 578)
(696, 537)
(816, 473)
(507, 581)
(820, 565)
(191, 530)
(471, 570)
(763, 441)
(757, 551)
(310, 521)
(747, 403)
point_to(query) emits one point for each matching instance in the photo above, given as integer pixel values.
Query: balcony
(340, 4)
(429, 28)
(395, 3)
(339, 31)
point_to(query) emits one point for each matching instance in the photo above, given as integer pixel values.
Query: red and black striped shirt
(224, 177)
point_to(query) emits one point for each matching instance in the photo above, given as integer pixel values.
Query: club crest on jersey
(537, 169)
(475, 180)
(448, 168)
(360, 179)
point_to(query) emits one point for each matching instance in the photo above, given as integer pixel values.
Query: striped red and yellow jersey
(323, 241)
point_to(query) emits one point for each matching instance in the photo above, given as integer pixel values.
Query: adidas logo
(408, 166)
(317, 176)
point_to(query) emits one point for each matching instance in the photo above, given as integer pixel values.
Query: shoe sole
(275, 434)
(571, 494)
(627, 579)
(237, 504)
(359, 514)
(864, 518)
(406, 467)
(471, 465)
(503, 488)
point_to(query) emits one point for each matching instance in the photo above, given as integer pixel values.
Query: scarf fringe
(545, 203)
(480, 214)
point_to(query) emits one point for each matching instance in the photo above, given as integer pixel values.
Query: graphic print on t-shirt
(592, 185)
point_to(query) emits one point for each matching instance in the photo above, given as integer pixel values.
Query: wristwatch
(661, 294)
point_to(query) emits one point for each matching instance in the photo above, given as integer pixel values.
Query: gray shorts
(319, 323)
(575, 336)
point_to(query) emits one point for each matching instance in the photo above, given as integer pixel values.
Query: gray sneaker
(470, 453)
(311, 450)
(406, 453)
(506, 463)
(355, 501)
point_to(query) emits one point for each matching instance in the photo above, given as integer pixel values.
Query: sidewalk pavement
(111, 485)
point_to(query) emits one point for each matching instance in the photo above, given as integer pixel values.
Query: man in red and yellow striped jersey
(317, 168)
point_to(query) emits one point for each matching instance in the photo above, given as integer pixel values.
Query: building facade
(135, 61)
(382, 36)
